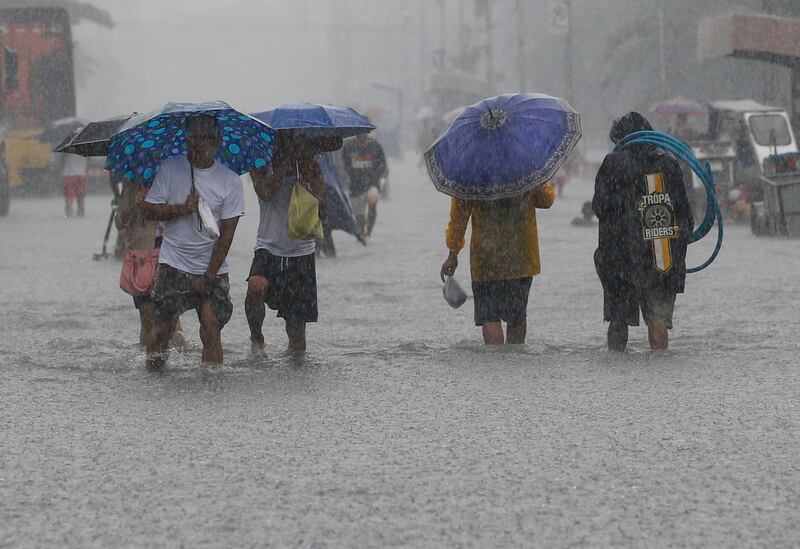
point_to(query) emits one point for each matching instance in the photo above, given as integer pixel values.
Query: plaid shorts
(173, 294)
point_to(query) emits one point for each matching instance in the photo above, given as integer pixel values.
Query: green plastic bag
(304, 221)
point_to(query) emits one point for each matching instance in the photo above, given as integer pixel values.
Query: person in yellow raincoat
(504, 258)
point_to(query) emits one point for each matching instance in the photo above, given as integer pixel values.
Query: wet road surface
(398, 428)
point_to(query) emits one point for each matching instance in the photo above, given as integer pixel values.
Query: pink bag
(139, 271)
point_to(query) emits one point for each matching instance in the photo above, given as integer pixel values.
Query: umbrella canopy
(676, 106)
(58, 129)
(316, 120)
(338, 213)
(503, 146)
(145, 140)
(92, 139)
(451, 115)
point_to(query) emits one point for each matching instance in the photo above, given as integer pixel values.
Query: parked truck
(36, 89)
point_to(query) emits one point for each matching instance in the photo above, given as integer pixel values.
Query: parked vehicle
(36, 88)
(778, 211)
(752, 148)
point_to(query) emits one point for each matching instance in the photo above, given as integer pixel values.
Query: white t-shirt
(74, 164)
(184, 246)
(273, 225)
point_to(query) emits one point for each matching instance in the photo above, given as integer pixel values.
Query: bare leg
(79, 199)
(362, 223)
(177, 339)
(515, 333)
(255, 311)
(146, 313)
(297, 337)
(658, 336)
(157, 345)
(68, 206)
(373, 215)
(210, 335)
(493, 333)
(617, 336)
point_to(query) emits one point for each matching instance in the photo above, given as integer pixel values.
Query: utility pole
(344, 52)
(483, 9)
(522, 62)
(489, 49)
(443, 36)
(662, 59)
(406, 46)
(568, 84)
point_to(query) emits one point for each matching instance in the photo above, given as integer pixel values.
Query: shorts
(624, 302)
(501, 300)
(74, 185)
(292, 285)
(173, 294)
(359, 203)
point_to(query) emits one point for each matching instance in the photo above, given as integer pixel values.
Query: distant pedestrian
(75, 177)
(365, 163)
(283, 273)
(504, 258)
(193, 272)
(645, 222)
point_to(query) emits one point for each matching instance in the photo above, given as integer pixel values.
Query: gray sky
(252, 53)
(259, 53)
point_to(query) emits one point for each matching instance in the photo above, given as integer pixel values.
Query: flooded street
(398, 428)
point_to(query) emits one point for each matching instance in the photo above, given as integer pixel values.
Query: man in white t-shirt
(283, 272)
(74, 175)
(193, 273)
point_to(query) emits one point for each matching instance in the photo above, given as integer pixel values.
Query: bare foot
(257, 351)
(178, 341)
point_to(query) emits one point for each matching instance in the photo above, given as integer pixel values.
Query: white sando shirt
(184, 247)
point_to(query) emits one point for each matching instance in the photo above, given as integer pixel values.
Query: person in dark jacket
(645, 222)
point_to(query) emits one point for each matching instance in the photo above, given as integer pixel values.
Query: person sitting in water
(587, 217)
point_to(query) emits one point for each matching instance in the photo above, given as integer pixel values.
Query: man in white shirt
(74, 175)
(193, 273)
(283, 272)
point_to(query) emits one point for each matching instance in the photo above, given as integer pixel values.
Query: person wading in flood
(283, 272)
(504, 258)
(193, 273)
(141, 234)
(645, 222)
(365, 164)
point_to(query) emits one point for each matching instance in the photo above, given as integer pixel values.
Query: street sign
(558, 19)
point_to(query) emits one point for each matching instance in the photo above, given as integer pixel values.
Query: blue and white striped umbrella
(140, 145)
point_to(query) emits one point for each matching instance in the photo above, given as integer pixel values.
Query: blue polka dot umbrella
(140, 145)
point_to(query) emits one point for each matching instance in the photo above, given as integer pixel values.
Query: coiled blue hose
(685, 154)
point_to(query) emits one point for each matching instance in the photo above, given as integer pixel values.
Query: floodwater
(398, 428)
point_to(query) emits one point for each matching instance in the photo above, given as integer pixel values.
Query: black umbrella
(92, 139)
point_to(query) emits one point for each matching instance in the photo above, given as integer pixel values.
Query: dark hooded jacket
(644, 214)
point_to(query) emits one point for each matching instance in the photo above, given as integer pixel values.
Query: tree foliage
(78, 11)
